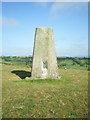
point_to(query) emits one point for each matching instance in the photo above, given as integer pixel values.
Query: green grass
(64, 98)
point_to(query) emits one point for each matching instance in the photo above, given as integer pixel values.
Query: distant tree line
(19, 60)
(62, 61)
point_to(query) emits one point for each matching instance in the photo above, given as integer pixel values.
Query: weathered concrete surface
(44, 55)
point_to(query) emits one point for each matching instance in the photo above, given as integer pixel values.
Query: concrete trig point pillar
(44, 55)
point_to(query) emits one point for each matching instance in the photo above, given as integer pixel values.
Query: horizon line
(32, 56)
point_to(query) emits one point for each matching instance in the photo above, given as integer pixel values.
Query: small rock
(27, 78)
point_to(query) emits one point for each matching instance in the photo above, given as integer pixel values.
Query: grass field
(64, 98)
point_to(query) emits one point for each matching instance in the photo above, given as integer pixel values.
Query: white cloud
(42, 4)
(58, 7)
(4, 21)
(22, 51)
(73, 50)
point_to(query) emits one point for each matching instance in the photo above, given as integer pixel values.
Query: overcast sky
(68, 20)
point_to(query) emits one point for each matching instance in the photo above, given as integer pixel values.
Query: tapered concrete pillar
(44, 55)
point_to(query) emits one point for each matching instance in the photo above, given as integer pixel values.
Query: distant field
(64, 98)
(63, 62)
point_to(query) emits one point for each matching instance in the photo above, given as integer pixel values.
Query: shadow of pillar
(21, 73)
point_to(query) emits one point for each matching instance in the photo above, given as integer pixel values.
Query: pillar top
(43, 28)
